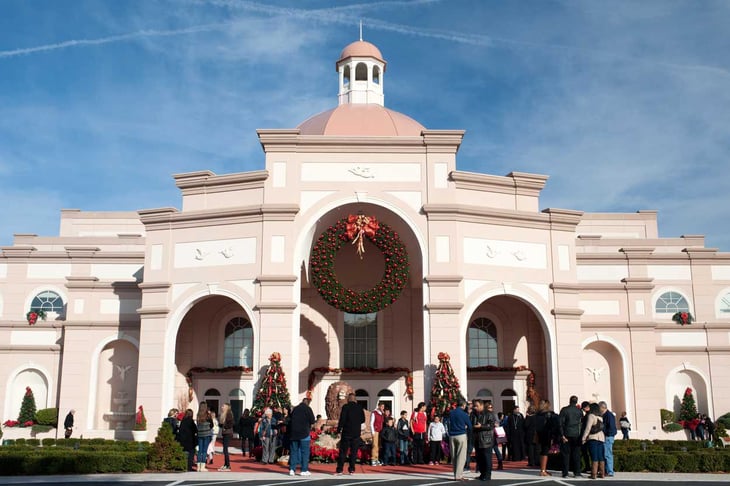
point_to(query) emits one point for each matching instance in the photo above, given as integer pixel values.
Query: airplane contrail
(336, 15)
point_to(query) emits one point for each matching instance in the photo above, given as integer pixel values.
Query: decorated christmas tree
(27, 408)
(272, 390)
(445, 392)
(688, 410)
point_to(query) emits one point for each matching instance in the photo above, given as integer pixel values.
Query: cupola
(361, 68)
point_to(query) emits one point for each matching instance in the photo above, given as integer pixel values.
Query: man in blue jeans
(300, 426)
(609, 430)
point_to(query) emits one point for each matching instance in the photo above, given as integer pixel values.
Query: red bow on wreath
(358, 227)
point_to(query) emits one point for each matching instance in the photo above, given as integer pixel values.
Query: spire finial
(361, 31)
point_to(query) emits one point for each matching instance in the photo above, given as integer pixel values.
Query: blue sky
(624, 104)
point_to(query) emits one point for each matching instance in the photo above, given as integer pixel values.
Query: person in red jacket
(418, 427)
(377, 419)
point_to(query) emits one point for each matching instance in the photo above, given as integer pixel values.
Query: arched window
(482, 343)
(237, 397)
(363, 398)
(47, 301)
(376, 75)
(361, 72)
(346, 76)
(212, 398)
(670, 303)
(725, 305)
(238, 345)
(485, 394)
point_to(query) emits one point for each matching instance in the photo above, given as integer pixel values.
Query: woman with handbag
(593, 436)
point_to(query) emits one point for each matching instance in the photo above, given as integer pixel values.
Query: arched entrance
(372, 349)
(214, 351)
(505, 350)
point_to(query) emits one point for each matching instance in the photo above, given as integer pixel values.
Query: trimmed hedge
(16, 461)
(47, 416)
(669, 456)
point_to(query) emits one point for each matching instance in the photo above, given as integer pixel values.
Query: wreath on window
(354, 229)
(683, 318)
(33, 315)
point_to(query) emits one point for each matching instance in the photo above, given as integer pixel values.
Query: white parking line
(534, 481)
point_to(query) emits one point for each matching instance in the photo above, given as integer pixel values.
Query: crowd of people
(578, 432)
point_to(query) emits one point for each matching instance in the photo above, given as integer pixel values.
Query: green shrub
(630, 461)
(59, 461)
(33, 442)
(40, 429)
(19, 442)
(711, 462)
(672, 427)
(47, 416)
(660, 462)
(687, 462)
(166, 454)
(48, 442)
(725, 420)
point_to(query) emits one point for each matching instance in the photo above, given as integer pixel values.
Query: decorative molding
(276, 280)
(275, 307)
(170, 218)
(153, 311)
(443, 280)
(154, 287)
(6, 348)
(207, 182)
(567, 313)
(444, 307)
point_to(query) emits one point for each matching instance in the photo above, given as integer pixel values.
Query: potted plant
(139, 432)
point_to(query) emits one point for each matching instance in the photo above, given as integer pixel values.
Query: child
(388, 436)
(436, 433)
(404, 434)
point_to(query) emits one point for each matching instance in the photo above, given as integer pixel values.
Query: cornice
(93, 283)
(9, 348)
(564, 219)
(276, 280)
(207, 182)
(290, 140)
(567, 313)
(276, 307)
(170, 218)
(443, 280)
(154, 287)
(153, 311)
(693, 349)
(120, 325)
(478, 214)
(444, 307)
(515, 183)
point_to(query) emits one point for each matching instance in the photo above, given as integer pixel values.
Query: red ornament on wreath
(354, 229)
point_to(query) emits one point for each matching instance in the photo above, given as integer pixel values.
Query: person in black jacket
(246, 424)
(482, 423)
(516, 435)
(301, 421)
(187, 436)
(570, 437)
(349, 427)
(171, 420)
(68, 424)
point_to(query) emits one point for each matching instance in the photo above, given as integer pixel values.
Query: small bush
(40, 429)
(33, 442)
(166, 454)
(725, 420)
(660, 462)
(687, 462)
(20, 442)
(711, 462)
(49, 442)
(47, 416)
(59, 461)
(630, 461)
(672, 427)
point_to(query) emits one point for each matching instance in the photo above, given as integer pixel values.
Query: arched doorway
(214, 350)
(678, 381)
(505, 348)
(364, 345)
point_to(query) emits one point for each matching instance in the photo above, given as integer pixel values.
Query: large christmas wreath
(354, 229)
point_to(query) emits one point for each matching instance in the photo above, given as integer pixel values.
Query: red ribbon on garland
(358, 227)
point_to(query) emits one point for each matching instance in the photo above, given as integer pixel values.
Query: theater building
(165, 307)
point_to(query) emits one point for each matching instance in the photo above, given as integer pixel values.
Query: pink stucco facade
(579, 299)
